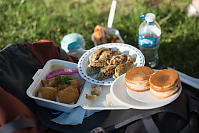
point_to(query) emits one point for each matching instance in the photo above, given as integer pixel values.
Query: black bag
(18, 63)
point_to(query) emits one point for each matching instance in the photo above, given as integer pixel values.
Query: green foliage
(23, 21)
(63, 80)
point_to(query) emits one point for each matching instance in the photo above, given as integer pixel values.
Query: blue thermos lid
(72, 42)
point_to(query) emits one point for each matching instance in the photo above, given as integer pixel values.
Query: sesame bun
(164, 83)
(137, 78)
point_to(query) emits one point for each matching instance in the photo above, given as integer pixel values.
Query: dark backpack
(18, 64)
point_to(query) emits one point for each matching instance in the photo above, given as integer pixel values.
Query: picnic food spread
(109, 63)
(60, 86)
(164, 83)
(137, 79)
(101, 36)
(103, 65)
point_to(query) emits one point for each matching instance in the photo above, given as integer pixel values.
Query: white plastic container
(41, 74)
(101, 104)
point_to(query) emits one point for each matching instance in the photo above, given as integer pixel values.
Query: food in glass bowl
(100, 36)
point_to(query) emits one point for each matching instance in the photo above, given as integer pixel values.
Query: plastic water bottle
(73, 44)
(149, 38)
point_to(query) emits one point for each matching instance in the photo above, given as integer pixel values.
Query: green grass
(23, 21)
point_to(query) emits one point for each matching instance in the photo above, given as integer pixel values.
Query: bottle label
(148, 42)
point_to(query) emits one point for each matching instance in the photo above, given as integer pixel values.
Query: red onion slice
(61, 71)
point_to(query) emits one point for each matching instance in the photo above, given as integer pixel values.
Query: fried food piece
(95, 55)
(68, 95)
(98, 63)
(107, 55)
(96, 91)
(116, 52)
(47, 93)
(130, 59)
(118, 59)
(91, 97)
(73, 82)
(53, 82)
(106, 72)
(92, 70)
(122, 68)
(49, 82)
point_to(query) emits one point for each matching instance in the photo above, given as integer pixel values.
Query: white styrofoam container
(103, 102)
(41, 74)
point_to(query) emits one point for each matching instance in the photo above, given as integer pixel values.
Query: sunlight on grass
(23, 21)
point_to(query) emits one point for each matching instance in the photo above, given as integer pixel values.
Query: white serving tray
(104, 101)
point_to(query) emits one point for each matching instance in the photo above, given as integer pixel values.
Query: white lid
(150, 17)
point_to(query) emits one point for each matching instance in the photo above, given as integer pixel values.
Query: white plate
(131, 100)
(124, 48)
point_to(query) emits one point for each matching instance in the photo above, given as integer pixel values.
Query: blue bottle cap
(142, 16)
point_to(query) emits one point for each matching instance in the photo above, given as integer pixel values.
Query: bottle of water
(149, 38)
(73, 44)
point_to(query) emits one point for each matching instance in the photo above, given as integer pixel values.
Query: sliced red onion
(61, 71)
